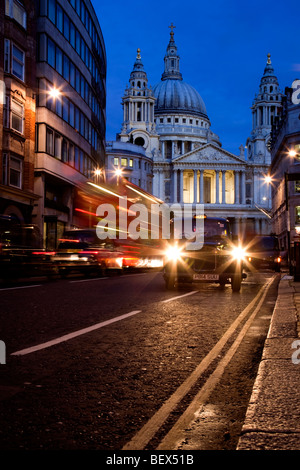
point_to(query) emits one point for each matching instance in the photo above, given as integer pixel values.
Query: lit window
(15, 10)
(116, 161)
(123, 161)
(131, 163)
(297, 215)
(17, 112)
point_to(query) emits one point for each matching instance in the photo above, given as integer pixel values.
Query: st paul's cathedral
(167, 147)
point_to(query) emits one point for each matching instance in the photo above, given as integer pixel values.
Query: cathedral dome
(175, 95)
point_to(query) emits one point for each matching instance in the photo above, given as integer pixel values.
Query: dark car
(218, 260)
(21, 251)
(81, 251)
(263, 252)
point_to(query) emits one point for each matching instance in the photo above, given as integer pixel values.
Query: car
(263, 252)
(21, 251)
(81, 251)
(219, 260)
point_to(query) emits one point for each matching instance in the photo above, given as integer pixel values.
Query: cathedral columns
(195, 186)
(223, 187)
(181, 185)
(236, 187)
(243, 185)
(175, 193)
(201, 186)
(217, 187)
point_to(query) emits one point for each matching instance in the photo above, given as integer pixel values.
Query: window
(14, 59)
(6, 112)
(64, 151)
(71, 154)
(71, 120)
(18, 62)
(66, 74)
(297, 150)
(57, 146)
(123, 161)
(15, 172)
(15, 10)
(76, 159)
(51, 10)
(49, 141)
(297, 218)
(116, 161)
(7, 55)
(17, 111)
(65, 105)
(59, 62)
(72, 74)
(4, 168)
(59, 17)
(297, 186)
(66, 27)
(11, 170)
(131, 163)
(51, 53)
(72, 34)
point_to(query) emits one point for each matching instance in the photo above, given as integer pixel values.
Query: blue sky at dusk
(223, 47)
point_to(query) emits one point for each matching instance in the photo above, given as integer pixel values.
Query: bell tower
(266, 106)
(138, 111)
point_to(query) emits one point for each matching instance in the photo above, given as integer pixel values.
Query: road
(121, 363)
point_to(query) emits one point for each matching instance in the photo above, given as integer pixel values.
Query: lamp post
(118, 173)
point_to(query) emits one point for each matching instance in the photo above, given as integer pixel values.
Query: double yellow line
(148, 431)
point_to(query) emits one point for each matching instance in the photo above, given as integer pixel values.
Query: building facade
(17, 109)
(70, 111)
(189, 165)
(53, 71)
(285, 177)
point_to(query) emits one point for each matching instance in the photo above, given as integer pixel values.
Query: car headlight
(238, 253)
(173, 253)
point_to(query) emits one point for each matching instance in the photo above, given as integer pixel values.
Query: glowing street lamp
(292, 153)
(118, 173)
(54, 92)
(268, 179)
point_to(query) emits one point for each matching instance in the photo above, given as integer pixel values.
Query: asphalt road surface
(121, 363)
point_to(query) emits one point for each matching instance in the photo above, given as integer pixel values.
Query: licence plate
(206, 277)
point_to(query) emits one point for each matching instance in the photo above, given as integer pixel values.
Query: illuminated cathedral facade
(167, 147)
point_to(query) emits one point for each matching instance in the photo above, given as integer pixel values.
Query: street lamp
(54, 92)
(268, 179)
(118, 173)
(292, 153)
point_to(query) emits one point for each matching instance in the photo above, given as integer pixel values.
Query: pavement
(272, 420)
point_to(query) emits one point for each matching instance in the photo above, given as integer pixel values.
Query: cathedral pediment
(209, 153)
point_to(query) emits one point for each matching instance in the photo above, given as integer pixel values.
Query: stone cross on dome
(172, 32)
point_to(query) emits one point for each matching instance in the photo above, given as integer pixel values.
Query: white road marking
(20, 287)
(148, 431)
(87, 280)
(69, 336)
(180, 296)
